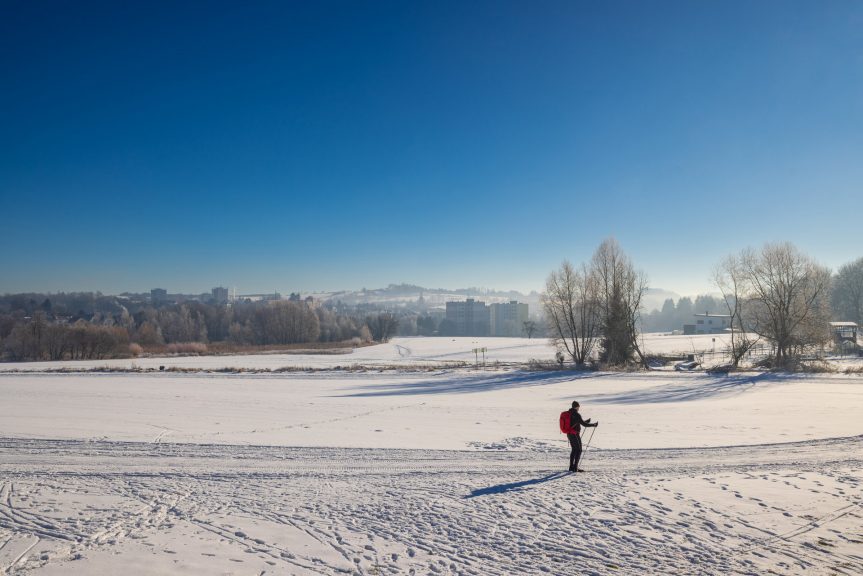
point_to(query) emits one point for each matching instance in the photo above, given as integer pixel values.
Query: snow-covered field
(452, 471)
(400, 352)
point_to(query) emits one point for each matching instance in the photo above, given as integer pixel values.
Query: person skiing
(572, 426)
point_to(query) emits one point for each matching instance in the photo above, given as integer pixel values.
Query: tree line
(43, 329)
(593, 314)
(673, 315)
(775, 294)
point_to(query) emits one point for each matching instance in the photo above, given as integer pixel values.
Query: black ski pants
(575, 455)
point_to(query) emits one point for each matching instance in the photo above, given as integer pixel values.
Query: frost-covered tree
(285, 323)
(787, 297)
(621, 288)
(847, 293)
(729, 276)
(598, 303)
(684, 311)
(571, 306)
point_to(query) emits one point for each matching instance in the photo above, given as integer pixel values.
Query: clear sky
(335, 145)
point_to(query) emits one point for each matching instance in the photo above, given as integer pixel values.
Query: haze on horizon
(335, 146)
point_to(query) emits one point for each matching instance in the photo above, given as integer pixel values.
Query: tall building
(508, 319)
(469, 318)
(220, 295)
(158, 295)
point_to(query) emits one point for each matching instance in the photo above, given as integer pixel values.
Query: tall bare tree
(788, 294)
(572, 312)
(730, 277)
(621, 289)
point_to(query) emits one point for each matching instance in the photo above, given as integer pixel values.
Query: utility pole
(476, 352)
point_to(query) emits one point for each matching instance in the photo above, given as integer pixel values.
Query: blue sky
(335, 145)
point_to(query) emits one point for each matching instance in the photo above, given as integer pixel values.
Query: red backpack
(565, 427)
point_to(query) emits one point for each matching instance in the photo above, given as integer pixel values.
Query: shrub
(187, 348)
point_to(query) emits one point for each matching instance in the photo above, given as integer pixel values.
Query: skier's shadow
(512, 486)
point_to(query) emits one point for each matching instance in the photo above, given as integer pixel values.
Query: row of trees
(44, 336)
(672, 316)
(780, 295)
(596, 306)
(776, 294)
(846, 302)
(39, 340)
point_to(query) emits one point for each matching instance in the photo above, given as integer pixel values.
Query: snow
(445, 409)
(444, 471)
(399, 352)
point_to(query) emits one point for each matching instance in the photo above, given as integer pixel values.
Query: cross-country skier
(571, 423)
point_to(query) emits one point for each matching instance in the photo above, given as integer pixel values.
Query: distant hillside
(433, 297)
(402, 294)
(655, 297)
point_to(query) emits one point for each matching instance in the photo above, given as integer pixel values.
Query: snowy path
(71, 506)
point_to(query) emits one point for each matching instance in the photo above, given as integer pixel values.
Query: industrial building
(474, 318)
(469, 318)
(508, 319)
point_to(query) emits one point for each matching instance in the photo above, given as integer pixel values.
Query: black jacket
(576, 421)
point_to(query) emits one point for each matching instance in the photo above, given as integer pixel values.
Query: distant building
(220, 295)
(508, 319)
(708, 323)
(469, 318)
(158, 295)
(272, 296)
(844, 332)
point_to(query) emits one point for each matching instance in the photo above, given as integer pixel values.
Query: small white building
(844, 331)
(708, 323)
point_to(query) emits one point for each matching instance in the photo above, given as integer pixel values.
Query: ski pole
(589, 440)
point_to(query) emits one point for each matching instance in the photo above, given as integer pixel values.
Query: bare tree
(787, 292)
(529, 328)
(365, 334)
(148, 334)
(571, 309)
(382, 326)
(620, 288)
(847, 293)
(729, 276)
(285, 323)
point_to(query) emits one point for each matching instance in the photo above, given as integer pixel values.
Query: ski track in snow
(71, 506)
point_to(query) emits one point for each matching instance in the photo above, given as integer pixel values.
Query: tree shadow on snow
(700, 388)
(513, 486)
(461, 383)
